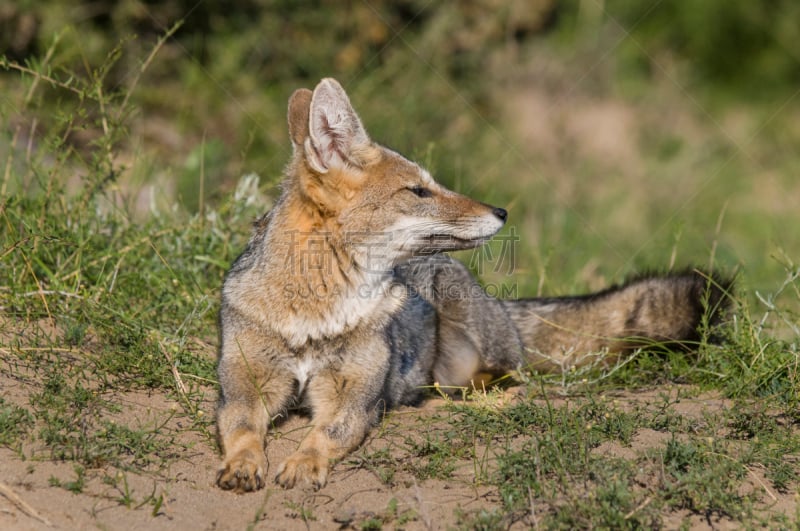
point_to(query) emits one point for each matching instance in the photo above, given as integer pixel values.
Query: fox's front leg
(253, 392)
(345, 404)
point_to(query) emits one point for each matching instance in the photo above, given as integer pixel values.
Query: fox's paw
(303, 467)
(243, 472)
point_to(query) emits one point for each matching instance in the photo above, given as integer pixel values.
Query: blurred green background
(621, 136)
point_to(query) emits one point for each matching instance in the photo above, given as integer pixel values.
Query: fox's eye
(419, 191)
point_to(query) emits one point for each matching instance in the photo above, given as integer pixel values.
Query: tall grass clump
(130, 295)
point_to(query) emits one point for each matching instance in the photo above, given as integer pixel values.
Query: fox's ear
(335, 133)
(299, 105)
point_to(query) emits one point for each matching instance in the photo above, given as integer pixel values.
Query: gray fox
(343, 304)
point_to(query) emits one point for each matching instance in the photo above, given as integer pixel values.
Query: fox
(344, 302)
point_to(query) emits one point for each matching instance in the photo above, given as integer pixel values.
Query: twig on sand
(6, 491)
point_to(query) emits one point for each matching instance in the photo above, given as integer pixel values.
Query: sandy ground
(192, 501)
(354, 495)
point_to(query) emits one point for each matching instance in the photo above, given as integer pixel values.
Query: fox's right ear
(299, 107)
(336, 138)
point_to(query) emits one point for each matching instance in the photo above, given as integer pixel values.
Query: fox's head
(369, 196)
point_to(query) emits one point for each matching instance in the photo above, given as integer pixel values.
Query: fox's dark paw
(243, 472)
(304, 467)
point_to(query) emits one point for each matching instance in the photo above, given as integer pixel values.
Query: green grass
(96, 302)
(542, 457)
(113, 249)
(548, 470)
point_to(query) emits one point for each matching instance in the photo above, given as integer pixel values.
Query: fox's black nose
(500, 213)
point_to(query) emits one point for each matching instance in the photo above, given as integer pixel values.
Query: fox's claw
(303, 467)
(244, 472)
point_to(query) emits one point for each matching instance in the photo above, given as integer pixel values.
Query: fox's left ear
(336, 135)
(299, 105)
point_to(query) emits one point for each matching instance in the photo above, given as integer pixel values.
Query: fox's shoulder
(255, 246)
(261, 224)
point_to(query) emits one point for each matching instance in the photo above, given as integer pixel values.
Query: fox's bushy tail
(557, 333)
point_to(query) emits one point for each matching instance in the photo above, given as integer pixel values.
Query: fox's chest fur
(306, 291)
(305, 312)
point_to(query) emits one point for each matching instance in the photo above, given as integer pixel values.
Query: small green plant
(157, 502)
(371, 524)
(435, 455)
(299, 510)
(75, 486)
(481, 519)
(125, 492)
(14, 423)
(393, 514)
(381, 463)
